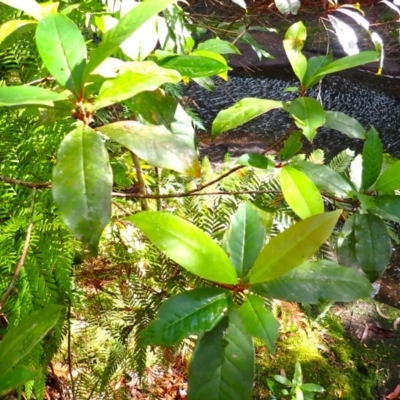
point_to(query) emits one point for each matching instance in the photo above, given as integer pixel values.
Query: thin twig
(69, 352)
(24, 253)
(41, 80)
(140, 179)
(35, 185)
(123, 209)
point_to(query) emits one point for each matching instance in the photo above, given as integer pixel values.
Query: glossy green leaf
(20, 339)
(135, 77)
(219, 46)
(82, 184)
(11, 30)
(63, 51)
(188, 313)
(388, 206)
(308, 115)
(14, 378)
(187, 245)
(325, 178)
(346, 244)
(255, 160)
(259, 322)
(222, 367)
(293, 45)
(155, 145)
(372, 158)
(244, 239)
(348, 62)
(283, 380)
(240, 113)
(312, 387)
(215, 57)
(314, 64)
(293, 246)
(128, 24)
(345, 124)
(30, 7)
(389, 179)
(356, 172)
(30, 96)
(300, 193)
(315, 281)
(194, 66)
(373, 245)
(291, 146)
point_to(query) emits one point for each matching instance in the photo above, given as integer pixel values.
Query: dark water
(372, 100)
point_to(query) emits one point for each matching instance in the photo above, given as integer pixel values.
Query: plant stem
(141, 184)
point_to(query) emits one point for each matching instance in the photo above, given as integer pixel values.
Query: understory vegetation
(133, 268)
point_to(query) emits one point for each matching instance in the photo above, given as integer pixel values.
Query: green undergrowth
(333, 355)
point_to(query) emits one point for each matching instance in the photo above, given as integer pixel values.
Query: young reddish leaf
(82, 183)
(187, 245)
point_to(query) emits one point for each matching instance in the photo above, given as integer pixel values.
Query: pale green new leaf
(244, 239)
(293, 45)
(82, 184)
(240, 113)
(313, 282)
(222, 366)
(30, 7)
(134, 77)
(128, 24)
(187, 245)
(11, 30)
(259, 322)
(389, 179)
(63, 51)
(372, 158)
(21, 339)
(345, 124)
(219, 46)
(156, 145)
(189, 313)
(293, 246)
(308, 115)
(300, 193)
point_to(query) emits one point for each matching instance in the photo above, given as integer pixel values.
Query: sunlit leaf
(82, 183)
(389, 179)
(242, 112)
(11, 30)
(293, 246)
(346, 35)
(63, 51)
(187, 245)
(30, 7)
(213, 56)
(240, 3)
(219, 46)
(188, 313)
(316, 281)
(255, 160)
(288, 6)
(259, 322)
(345, 124)
(222, 365)
(372, 157)
(356, 16)
(155, 145)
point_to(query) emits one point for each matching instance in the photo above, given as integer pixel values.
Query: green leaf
(19, 375)
(155, 145)
(325, 178)
(11, 30)
(63, 51)
(346, 244)
(308, 115)
(187, 245)
(21, 339)
(315, 281)
(388, 206)
(373, 246)
(193, 66)
(348, 62)
(259, 322)
(313, 66)
(128, 24)
(82, 184)
(372, 158)
(389, 179)
(293, 44)
(288, 6)
(222, 367)
(188, 313)
(283, 380)
(134, 77)
(242, 112)
(244, 239)
(346, 35)
(219, 46)
(30, 96)
(291, 146)
(293, 246)
(312, 387)
(255, 160)
(300, 193)
(30, 7)
(345, 124)
(298, 375)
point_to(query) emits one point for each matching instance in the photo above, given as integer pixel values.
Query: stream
(372, 100)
